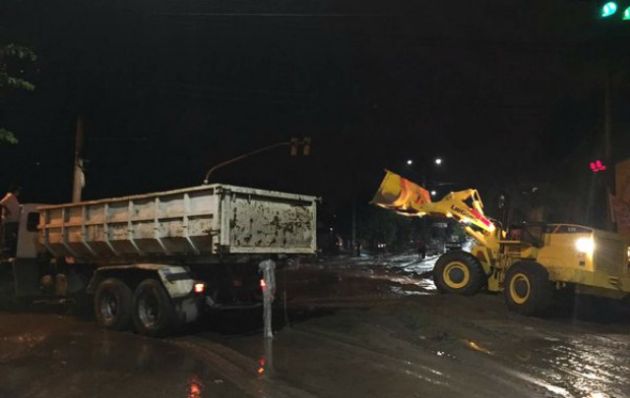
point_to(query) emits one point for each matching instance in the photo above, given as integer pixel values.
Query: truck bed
(196, 221)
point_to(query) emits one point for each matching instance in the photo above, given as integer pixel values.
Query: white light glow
(585, 245)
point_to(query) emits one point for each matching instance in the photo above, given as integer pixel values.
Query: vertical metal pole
(354, 245)
(607, 148)
(77, 185)
(268, 349)
(607, 116)
(268, 268)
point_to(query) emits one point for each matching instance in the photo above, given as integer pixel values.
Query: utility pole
(607, 145)
(79, 177)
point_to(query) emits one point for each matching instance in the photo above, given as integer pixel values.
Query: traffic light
(614, 10)
(305, 143)
(294, 146)
(608, 9)
(597, 166)
(306, 150)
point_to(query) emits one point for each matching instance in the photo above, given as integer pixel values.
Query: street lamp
(409, 162)
(437, 161)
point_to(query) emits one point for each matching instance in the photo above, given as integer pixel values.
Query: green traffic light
(609, 9)
(626, 14)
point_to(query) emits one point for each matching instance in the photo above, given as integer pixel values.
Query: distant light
(433, 193)
(263, 284)
(626, 14)
(409, 162)
(608, 9)
(438, 161)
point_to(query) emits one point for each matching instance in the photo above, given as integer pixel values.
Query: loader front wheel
(458, 272)
(527, 289)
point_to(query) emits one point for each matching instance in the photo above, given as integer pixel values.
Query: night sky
(503, 90)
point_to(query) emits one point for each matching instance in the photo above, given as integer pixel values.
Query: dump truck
(157, 261)
(527, 262)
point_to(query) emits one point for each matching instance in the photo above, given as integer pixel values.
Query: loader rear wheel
(527, 289)
(153, 312)
(112, 304)
(458, 272)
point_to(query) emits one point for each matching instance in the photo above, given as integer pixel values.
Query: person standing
(11, 205)
(10, 218)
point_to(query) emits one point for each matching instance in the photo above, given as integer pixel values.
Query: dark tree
(10, 82)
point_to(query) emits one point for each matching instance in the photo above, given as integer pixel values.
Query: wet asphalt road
(364, 330)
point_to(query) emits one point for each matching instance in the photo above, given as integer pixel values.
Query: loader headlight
(585, 245)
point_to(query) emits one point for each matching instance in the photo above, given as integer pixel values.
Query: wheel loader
(527, 263)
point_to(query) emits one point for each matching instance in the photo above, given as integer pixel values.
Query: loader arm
(407, 198)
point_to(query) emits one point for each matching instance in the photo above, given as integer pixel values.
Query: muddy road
(348, 328)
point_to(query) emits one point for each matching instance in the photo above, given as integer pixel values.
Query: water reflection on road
(351, 332)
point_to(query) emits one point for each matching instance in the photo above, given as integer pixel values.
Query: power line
(281, 15)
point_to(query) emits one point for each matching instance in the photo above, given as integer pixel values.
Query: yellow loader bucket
(402, 195)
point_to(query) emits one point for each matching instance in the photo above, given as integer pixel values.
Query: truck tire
(112, 304)
(153, 312)
(459, 272)
(527, 289)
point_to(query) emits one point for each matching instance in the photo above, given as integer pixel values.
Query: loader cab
(20, 240)
(529, 233)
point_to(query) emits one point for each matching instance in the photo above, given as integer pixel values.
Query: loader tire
(153, 312)
(527, 289)
(112, 304)
(458, 272)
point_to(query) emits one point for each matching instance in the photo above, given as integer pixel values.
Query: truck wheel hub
(109, 307)
(148, 311)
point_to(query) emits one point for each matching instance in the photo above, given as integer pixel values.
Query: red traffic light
(597, 166)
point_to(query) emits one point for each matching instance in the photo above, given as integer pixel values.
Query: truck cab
(23, 244)
(20, 250)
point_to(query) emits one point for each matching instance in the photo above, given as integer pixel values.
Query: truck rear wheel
(458, 272)
(153, 311)
(527, 289)
(112, 304)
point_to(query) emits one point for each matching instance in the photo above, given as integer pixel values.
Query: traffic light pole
(293, 142)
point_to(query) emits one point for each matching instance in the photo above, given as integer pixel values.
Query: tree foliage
(8, 81)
